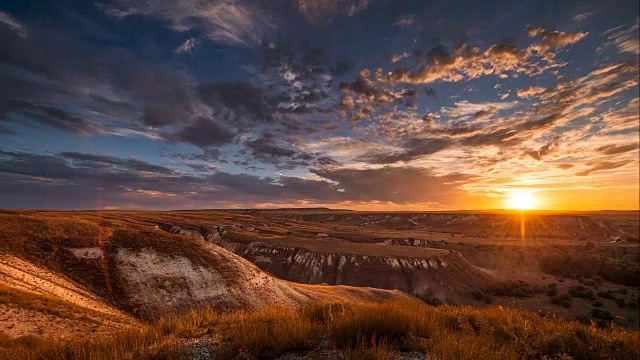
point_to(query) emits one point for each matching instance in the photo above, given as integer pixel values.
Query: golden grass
(271, 331)
(370, 331)
(44, 304)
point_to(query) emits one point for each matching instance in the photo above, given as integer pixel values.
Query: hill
(71, 275)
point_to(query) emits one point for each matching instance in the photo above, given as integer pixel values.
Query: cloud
(226, 21)
(187, 46)
(617, 149)
(531, 91)
(203, 133)
(15, 25)
(395, 184)
(55, 117)
(320, 11)
(554, 39)
(101, 161)
(626, 39)
(582, 16)
(464, 61)
(277, 150)
(405, 20)
(545, 150)
(601, 166)
(412, 149)
(240, 102)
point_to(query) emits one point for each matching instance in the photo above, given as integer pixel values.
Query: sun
(521, 200)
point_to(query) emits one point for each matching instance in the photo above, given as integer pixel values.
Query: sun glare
(521, 200)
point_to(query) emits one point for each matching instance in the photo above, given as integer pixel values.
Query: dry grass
(374, 331)
(271, 331)
(40, 303)
(374, 349)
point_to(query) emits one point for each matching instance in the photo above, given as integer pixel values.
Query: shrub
(512, 288)
(596, 262)
(632, 304)
(597, 303)
(564, 300)
(606, 295)
(621, 303)
(430, 300)
(583, 318)
(601, 314)
(581, 292)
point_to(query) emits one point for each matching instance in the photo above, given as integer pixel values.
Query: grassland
(370, 331)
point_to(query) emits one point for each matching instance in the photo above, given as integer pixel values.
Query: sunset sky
(362, 104)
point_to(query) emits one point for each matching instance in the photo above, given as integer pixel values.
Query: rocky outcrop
(447, 274)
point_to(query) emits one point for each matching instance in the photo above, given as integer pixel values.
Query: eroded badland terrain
(78, 276)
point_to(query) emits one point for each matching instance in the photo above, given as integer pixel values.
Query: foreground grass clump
(369, 331)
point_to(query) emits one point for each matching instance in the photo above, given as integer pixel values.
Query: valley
(70, 275)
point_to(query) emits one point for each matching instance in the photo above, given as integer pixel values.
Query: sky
(354, 104)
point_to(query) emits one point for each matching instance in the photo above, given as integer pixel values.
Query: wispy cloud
(13, 24)
(405, 20)
(231, 22)
(319, 11)
(187, 46)
(625, 38)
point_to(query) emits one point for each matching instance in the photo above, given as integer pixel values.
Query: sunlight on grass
(369, 331)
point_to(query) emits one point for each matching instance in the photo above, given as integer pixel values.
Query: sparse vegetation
(513, 288)
(621, 302)
(43, 304)
(621, 268)
(607, 295)
(562, 300)
(601, 314)
(480, 296)
(581, 292)
(373, 331)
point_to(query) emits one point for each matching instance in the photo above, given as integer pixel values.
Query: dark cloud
(565, 166)
(395, 184)
(412, 150)
(203, 133)
(208, 155)
(600, 166)
(101, 161)
(276, 150)
(54, 117)
(545, 150)
(237, 102)
(617, 149)
(266, 148)
(53, 80)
